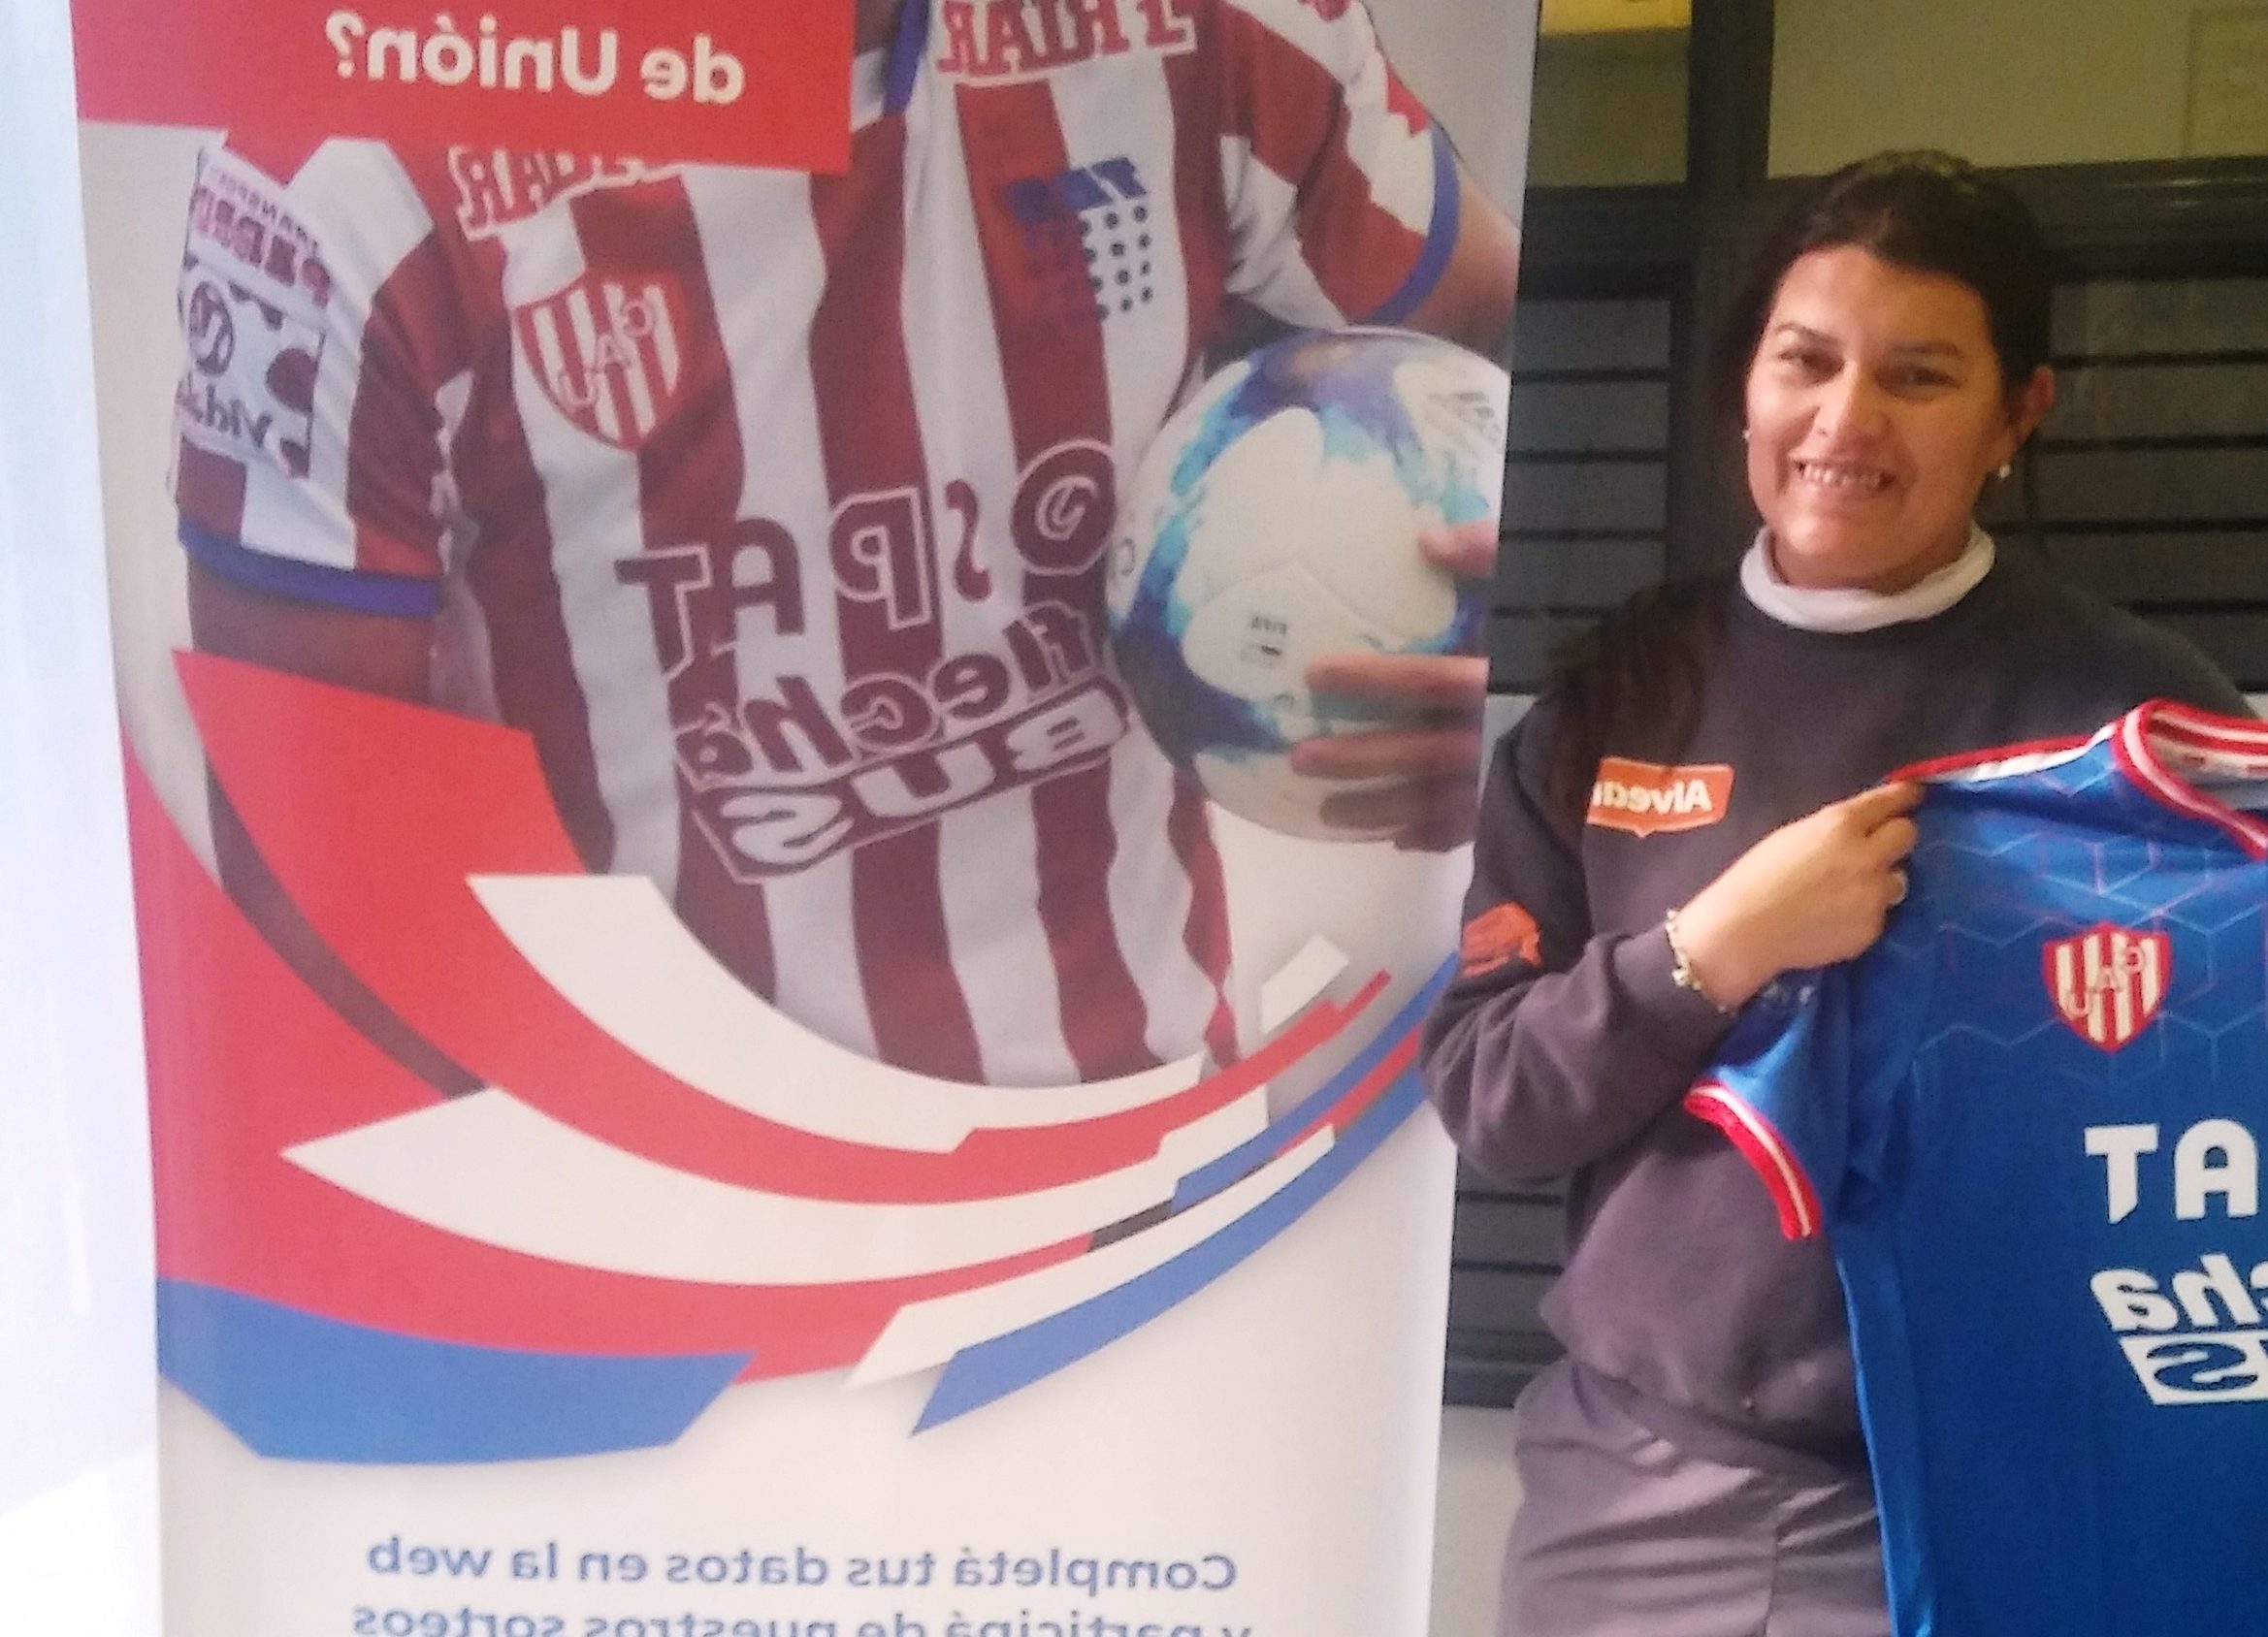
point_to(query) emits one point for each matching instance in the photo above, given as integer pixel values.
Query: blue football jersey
(2029, 1120)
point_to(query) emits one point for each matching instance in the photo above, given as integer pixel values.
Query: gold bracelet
(1681, 972)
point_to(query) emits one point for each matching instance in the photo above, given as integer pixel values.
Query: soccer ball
(1274, 519)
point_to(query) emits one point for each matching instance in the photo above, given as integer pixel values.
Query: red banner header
(745, 82)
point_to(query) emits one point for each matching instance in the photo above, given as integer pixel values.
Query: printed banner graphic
(372, 1292)
(754, 82)
(798, 747)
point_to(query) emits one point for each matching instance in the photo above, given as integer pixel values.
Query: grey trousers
(1620, 1533)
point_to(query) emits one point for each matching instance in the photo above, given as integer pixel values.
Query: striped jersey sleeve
(319, 348)
(1342, 192)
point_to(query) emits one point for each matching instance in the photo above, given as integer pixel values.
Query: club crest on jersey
(609, 353)
(1646, 799)
(2107, 982)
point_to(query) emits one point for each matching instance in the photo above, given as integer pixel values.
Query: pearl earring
(2005, 470)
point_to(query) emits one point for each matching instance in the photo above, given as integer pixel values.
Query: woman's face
(1875, 412)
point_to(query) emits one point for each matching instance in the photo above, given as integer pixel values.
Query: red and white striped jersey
(771, 505)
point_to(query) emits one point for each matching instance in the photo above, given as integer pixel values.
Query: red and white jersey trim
(2206, 747)
(1998, 761)
(1767, 1152)
(2165, 748)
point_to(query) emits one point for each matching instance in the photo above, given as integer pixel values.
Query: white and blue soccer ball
(1274, 519)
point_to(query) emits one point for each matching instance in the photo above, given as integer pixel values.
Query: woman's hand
(1810, 893)
(1434, 761)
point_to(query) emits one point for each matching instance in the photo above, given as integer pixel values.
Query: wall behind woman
(2003, 81)
(2013, 81)
(1456, 55)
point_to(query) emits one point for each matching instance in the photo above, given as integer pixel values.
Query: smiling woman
(1876, 408)
(1696, 1462)
(1891, 353)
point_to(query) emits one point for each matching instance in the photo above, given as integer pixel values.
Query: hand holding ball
(1276, 520)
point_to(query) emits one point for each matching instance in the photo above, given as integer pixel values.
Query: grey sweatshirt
(1566, 1053)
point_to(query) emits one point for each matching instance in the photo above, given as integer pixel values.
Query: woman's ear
(2030, 408)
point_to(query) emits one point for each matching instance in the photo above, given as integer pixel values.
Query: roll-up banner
(78, 1398)
(795, 681)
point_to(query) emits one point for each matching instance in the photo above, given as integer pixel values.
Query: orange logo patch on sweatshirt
(1494, 936)
(1646, 799)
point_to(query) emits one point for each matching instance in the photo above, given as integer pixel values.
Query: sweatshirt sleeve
(1554, 1045)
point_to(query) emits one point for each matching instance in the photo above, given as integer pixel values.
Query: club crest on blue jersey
(2108, 981)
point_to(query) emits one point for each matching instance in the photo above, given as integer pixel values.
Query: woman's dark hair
(1925, 210)
(1922, 211)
